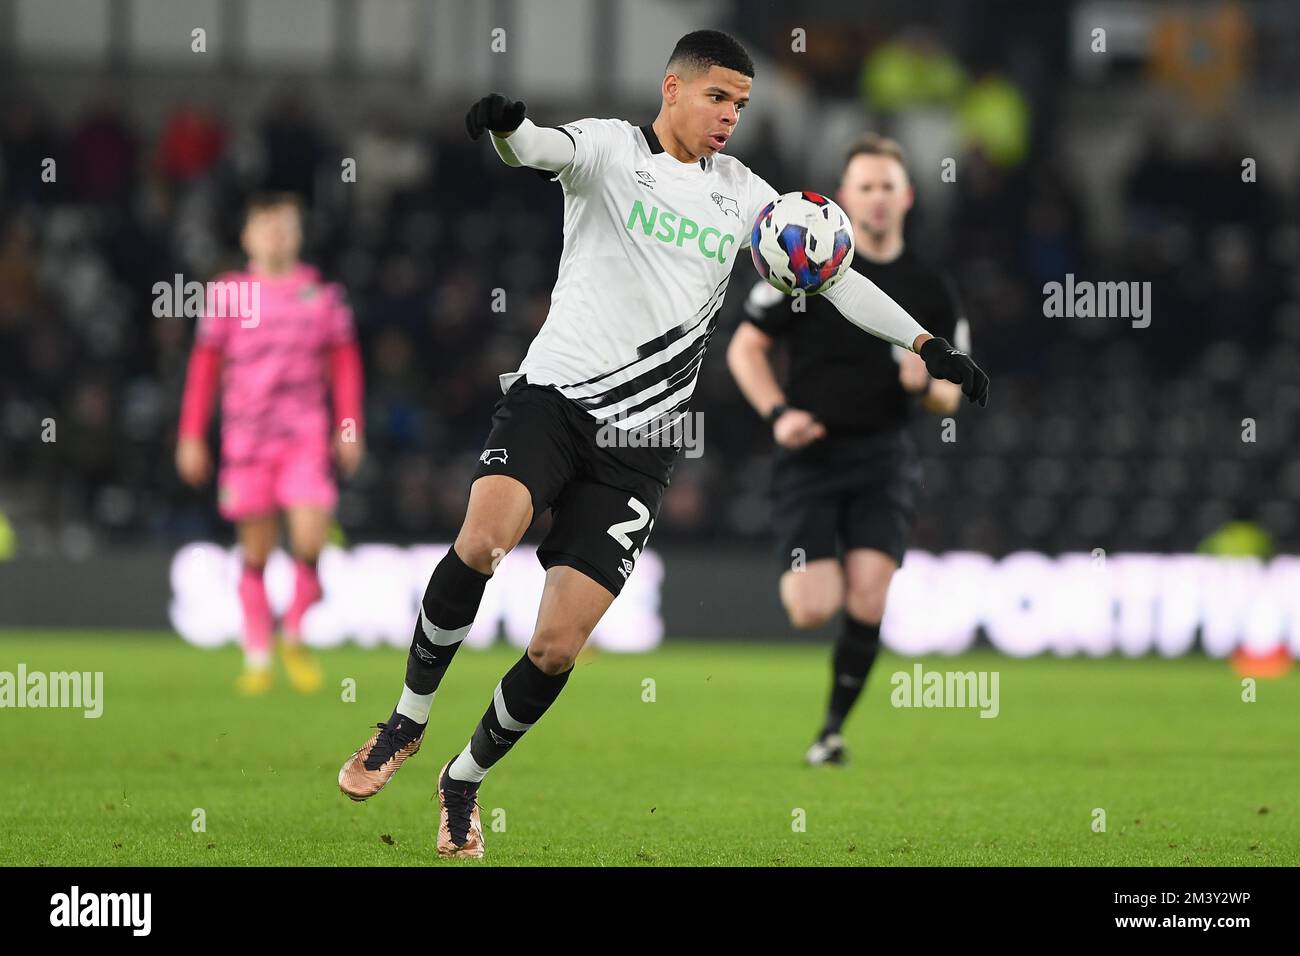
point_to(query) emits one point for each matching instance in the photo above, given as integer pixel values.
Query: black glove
(944, 361)
(496, 113)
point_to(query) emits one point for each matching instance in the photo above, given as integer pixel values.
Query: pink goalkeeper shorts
(300, 475)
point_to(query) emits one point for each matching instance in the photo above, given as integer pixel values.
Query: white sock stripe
(503, 716)
(466, 768)
(441, 637)
(413, 705)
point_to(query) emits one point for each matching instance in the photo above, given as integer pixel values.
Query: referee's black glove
(944, 361)
(496, 113)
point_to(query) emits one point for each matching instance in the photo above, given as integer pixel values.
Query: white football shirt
(649, 244)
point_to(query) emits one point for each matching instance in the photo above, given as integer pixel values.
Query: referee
(847, 471)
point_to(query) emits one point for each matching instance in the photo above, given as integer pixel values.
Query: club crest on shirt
(726, 204)
(493, 454)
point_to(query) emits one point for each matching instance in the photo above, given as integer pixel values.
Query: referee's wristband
(779, 409)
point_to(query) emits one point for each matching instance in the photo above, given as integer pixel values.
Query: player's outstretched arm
(517, 139)
(864, 304)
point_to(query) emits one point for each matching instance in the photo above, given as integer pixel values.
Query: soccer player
(847, 472)
(654, 219)
(278, 362)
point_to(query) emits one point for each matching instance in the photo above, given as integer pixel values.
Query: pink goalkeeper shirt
(276, 363)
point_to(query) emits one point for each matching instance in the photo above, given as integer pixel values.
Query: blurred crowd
(1097, 434)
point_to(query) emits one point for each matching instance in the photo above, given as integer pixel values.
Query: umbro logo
(426, 656)
(498, 739)
(493, 454)
(645, 179)
(626, 569)
(727, 204)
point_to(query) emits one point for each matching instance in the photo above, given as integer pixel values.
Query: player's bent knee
(812, 597)
(482, 548)
(500, 510)
(865, 600)
(867, 605)
(809, 615)
(554, 652)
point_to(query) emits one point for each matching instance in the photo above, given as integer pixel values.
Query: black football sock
(523, 695)
(447, 610)
(855, 652)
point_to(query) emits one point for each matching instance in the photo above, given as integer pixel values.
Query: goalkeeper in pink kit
(289, 373)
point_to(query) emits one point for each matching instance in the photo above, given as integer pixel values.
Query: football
(802, 242)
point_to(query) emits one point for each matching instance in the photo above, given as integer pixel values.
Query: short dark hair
(262, 201)
(705, 48)
(873, 144)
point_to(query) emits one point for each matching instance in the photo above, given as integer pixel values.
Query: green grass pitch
(709, 773)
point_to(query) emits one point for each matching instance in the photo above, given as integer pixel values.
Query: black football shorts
(843, 493)
(602, 509)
